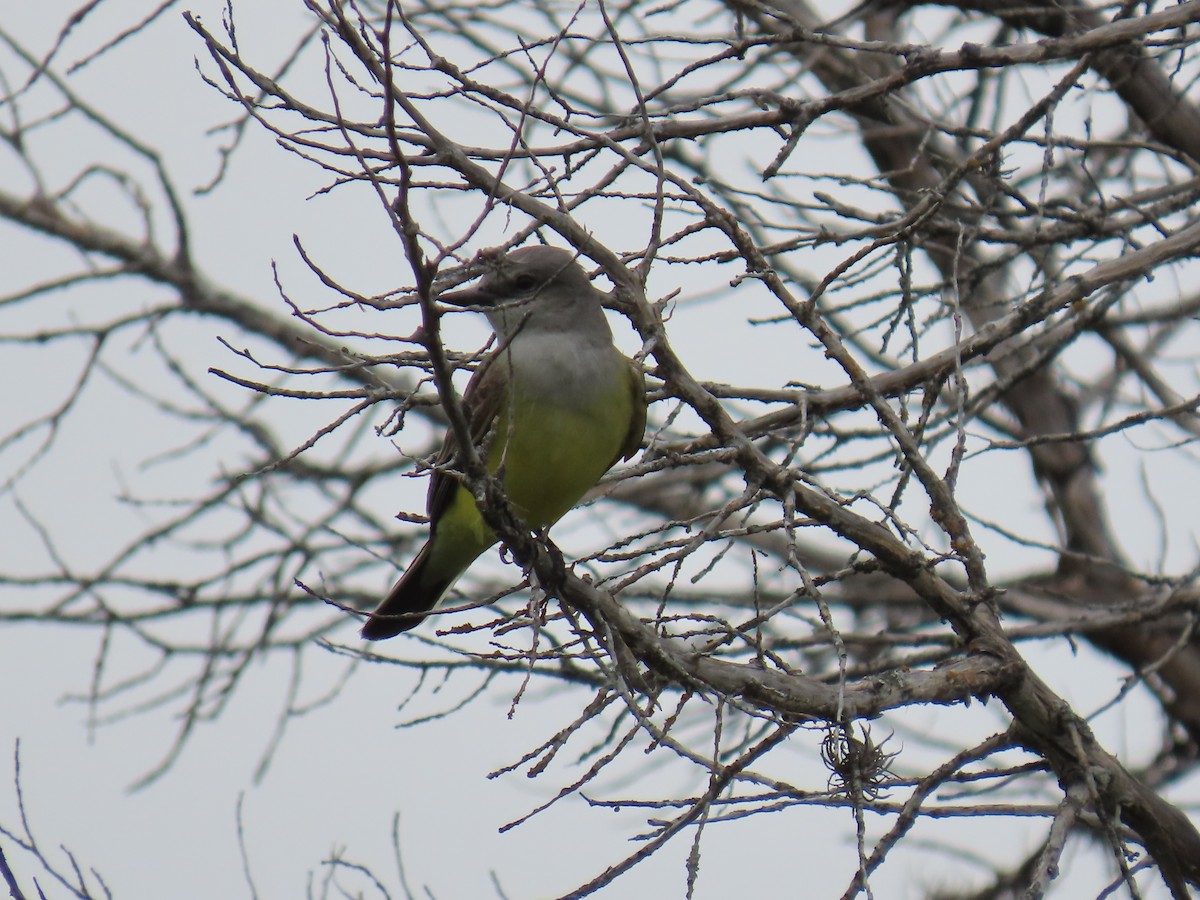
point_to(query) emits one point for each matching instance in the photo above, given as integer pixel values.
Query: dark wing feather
(637, 424)
(481, 403)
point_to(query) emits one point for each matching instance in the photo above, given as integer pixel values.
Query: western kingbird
(552, 408)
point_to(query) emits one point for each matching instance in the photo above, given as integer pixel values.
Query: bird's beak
(472, 296)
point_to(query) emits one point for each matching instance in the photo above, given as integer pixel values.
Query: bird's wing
(637, 423)
(481, 402)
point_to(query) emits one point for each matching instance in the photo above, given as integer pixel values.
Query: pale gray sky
(177, 838)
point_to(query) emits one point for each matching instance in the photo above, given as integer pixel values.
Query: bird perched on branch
(552, 408)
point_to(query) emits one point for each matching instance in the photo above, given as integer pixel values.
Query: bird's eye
(525, 282)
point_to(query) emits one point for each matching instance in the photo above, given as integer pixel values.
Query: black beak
(472, 296)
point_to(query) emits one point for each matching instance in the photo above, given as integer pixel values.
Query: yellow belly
(549, 458)
(554, 456)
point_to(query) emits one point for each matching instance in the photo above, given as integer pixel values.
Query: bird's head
(530, 290)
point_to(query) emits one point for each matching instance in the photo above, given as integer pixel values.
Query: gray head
(535, 290)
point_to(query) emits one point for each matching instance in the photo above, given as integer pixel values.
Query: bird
(552, 408)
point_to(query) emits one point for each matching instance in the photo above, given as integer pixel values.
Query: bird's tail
(416, 593)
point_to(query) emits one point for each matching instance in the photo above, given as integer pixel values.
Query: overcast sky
(321, 794)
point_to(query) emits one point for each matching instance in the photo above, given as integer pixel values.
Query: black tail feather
(407, 603)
